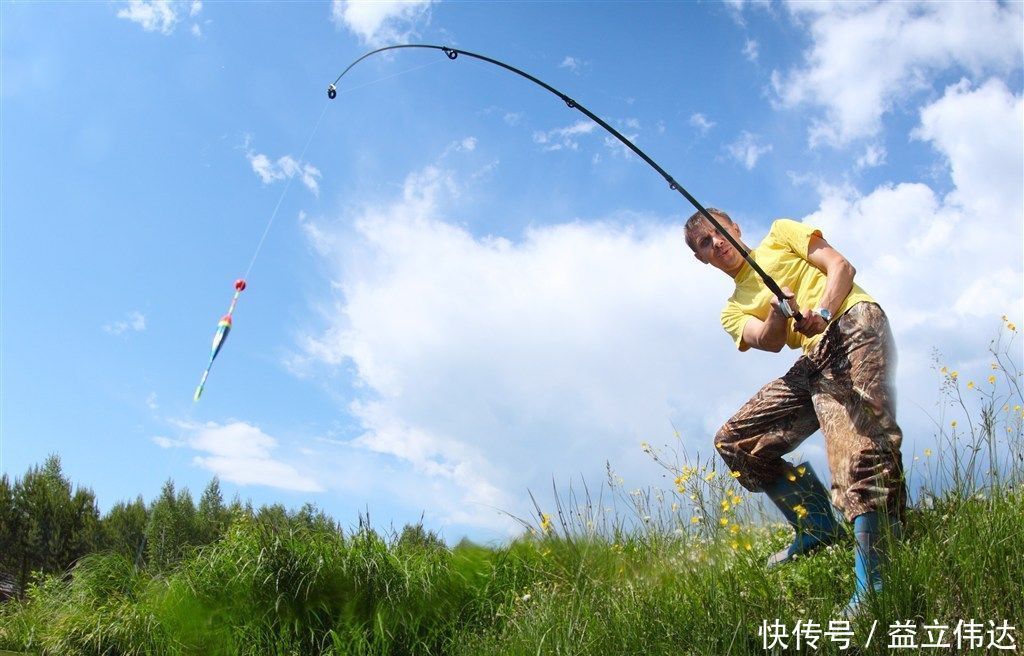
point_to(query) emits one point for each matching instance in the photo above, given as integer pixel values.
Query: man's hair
(697, 219)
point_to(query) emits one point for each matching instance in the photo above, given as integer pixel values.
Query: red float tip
(239, 285)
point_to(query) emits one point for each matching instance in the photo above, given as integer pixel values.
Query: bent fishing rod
(453, 54)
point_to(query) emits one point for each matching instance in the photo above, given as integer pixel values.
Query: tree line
(46, 524)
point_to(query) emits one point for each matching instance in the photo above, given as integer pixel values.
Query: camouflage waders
(842, 386)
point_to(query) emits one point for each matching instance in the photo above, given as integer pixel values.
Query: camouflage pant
(842, 386)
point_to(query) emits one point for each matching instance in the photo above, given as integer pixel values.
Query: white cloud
(464, 145)
(240, 453)
(380, 22)
(747, 149)
(739, 5)
(750, 49)
(867, 57)
(560, 138)
(874, 155)
(167, 443)
(196, 30)
(285, 167)
(572, 64)
(151, 401)
(984, 156)
(945, 262)
(701, 122)
(159, 15)
(135, 321)
(488, 364)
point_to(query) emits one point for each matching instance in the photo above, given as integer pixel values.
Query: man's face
(714, 249)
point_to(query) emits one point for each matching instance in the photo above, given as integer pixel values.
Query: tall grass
(677, 571)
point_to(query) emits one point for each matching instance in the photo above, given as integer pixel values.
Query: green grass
(260, 591)
(681, 573)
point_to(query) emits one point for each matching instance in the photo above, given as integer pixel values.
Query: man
(841, 384)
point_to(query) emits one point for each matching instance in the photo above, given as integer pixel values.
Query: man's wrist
(823, 312)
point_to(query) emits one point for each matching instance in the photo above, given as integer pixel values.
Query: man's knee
(724, 443)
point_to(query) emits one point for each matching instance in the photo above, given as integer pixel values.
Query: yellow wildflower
(970, 384)
(1016, 408)
(735, 528)
(992, 379)
(695, 520)
(710, 477)
(748, 546)
(675, 507)
(545, 522)
(790, 476)
(800, 511)
(953, 375)
(725, 506)
(995, 365)
(1011, 327)
(801, 470)
(927, 453)
(943, 371)
(953, 423)
(645, 446)
(724, 521)
(734, 474)
(735, 545)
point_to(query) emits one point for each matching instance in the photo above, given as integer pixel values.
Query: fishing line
(284, 192)
(299, 168)
(302, 157)
(453, 54)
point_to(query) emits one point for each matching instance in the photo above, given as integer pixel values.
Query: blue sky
(467, 290)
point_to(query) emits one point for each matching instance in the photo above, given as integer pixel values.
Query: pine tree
(55, 528)
(10, 529)
(213, 516)
(124, 527)
(162, 538)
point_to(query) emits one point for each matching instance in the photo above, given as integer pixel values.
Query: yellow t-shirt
(783, 256)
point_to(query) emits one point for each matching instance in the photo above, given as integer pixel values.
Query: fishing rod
(453, 54)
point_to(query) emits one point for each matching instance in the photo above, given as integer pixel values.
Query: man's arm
(839, 275)
(770, 334)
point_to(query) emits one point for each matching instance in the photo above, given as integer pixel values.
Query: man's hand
(770, 334)
(788, 293)
(812, 324)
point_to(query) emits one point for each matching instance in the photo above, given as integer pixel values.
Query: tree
(213, 517)
(124, 528)
(170, 527)
(10, 529)
(54, 527)
(315, 519)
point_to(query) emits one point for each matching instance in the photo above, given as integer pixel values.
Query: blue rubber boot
(806, 505)
(870, 535)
